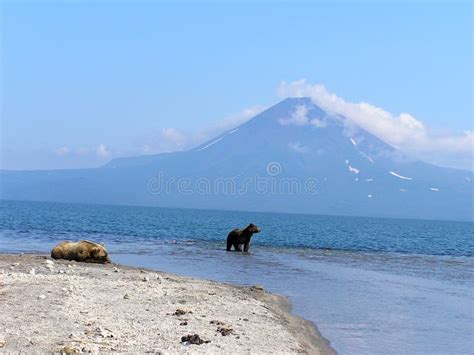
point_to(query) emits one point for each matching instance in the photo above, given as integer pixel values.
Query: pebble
(180, 312)
(49, 262)
(69, 350)
(2, 342)
(61, 271)
(33, 271)
(145, 278)
(193, 339)
(103, 333)
(99, 331)
(225, 331)
(116, 269)
(126, 296)
(42, 297)
(91, 349)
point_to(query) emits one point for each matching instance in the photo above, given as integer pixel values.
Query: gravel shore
(52, 306)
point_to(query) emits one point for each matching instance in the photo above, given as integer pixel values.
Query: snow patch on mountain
(367, 157)
(354, 143)
(212, 143)
(354, 170)
(400, 176)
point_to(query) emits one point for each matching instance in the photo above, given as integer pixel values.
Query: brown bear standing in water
(85, 251)
(237, 237)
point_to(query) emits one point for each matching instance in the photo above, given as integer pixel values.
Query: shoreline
(120, 308)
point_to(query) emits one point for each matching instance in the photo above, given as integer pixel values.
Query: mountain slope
(293, 157)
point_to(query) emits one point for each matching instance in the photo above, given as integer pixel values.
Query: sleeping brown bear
(239, 237)
(85, 251)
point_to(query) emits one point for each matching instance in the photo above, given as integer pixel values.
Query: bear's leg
(238, 247)
(229, 244)
(246, 247)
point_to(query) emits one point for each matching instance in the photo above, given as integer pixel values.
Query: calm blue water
(371, 285)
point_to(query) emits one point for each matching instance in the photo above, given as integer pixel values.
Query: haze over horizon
(77, 96)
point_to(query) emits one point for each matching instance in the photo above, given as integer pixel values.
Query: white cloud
(82, 154)
(62, 151)
(297, 147)
(83, 151)
(403, 131)
(300, 118)
(102, 151)
(238, 118)
(227, 123)
(316, 122)
(167, 140)
(172, 139)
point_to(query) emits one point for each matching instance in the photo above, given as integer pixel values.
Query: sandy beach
(53, 306)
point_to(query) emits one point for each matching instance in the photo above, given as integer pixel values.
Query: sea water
(371, 285)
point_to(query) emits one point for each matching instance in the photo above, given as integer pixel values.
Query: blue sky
(83, 82)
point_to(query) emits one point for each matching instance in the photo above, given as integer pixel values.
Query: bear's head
(252, 228)
(99, 254)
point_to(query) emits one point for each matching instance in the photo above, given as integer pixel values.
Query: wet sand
(52, 306)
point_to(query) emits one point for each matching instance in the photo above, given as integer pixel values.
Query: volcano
(293, 157)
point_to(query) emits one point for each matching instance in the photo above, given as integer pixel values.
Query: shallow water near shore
(370, 285)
